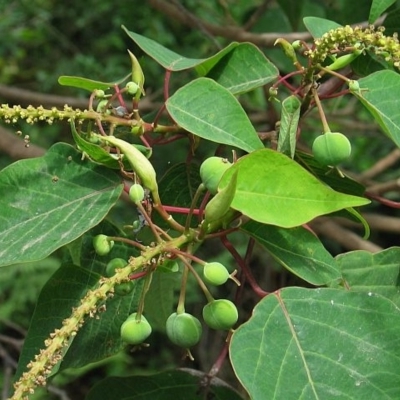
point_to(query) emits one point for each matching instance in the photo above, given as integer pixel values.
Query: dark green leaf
(293, 9)
(181, 384)
(273, 189)
(298, 250)
(377, 8)
(303, 344)
(379, 95)
(173, 61)
(243, 69)
(49, 201)
(206, 109)
(290, 115)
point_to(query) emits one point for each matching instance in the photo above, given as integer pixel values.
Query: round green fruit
(114, 264)
(135, 331)
(331, 148)
(211, 171)
(220, 314)
(102, 245)
(132, 87)
(124, 288)
(215, 273)
(183, 329)
(136, 193)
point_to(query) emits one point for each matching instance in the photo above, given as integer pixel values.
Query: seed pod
(220, 314)
(211, 171)
(102, 245)
(183, 329)
(343, 61)
(136, 193)
(140, 164)
(215, 273)
(137, 74)
(331, 148)
(135, 331)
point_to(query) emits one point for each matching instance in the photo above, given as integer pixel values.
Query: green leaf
(290, 115)
(293, 9)
(303, 344)
(173, 61)
(377, 8)
(49, 201)
(206, 109)
(273, 189)
(87, 84)
(379, 95)
(373, 273)
(298, 250)
(183, 384)
(243, 69)
(318, 26)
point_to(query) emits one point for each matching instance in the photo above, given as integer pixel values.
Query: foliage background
(43, 39)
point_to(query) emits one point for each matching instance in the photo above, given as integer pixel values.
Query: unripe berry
(114, 264)
(132, 87)
(124, 288)
(183, 329)
(220, 314)
(215, 273)
(102, 245)
(135, 331)
(136, 193)
(211, 171)
(331, 148)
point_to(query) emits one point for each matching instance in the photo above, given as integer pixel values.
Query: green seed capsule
(331, 148)
(220, 314)
(211, 171)
(102, 245)
(215, 273)
(134, 331)
(136, 193)
(183, 329)
(115, 263)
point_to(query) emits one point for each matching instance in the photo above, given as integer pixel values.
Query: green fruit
(331, 148)
(132, 87)
(215, 273)
(135, 331)
(124, 288)
(114, 264)
(183, 329)
(220, 314)
(102, 245)
(136, 193)
(211, 171)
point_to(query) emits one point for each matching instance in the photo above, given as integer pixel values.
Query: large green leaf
(87, 84)
(49, 201)
(273, 189)
(181, 384)
(379, 94)
(206, 109)
(303, 344)
(375, 273)
(298, 250)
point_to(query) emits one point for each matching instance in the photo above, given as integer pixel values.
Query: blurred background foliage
(43, 39)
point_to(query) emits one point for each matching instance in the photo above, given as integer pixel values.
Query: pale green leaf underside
(321, 344)
(274, 189)
(49, 201)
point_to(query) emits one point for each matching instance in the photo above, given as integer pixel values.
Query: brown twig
(381, 165)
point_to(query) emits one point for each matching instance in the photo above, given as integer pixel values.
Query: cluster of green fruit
(182, 328)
